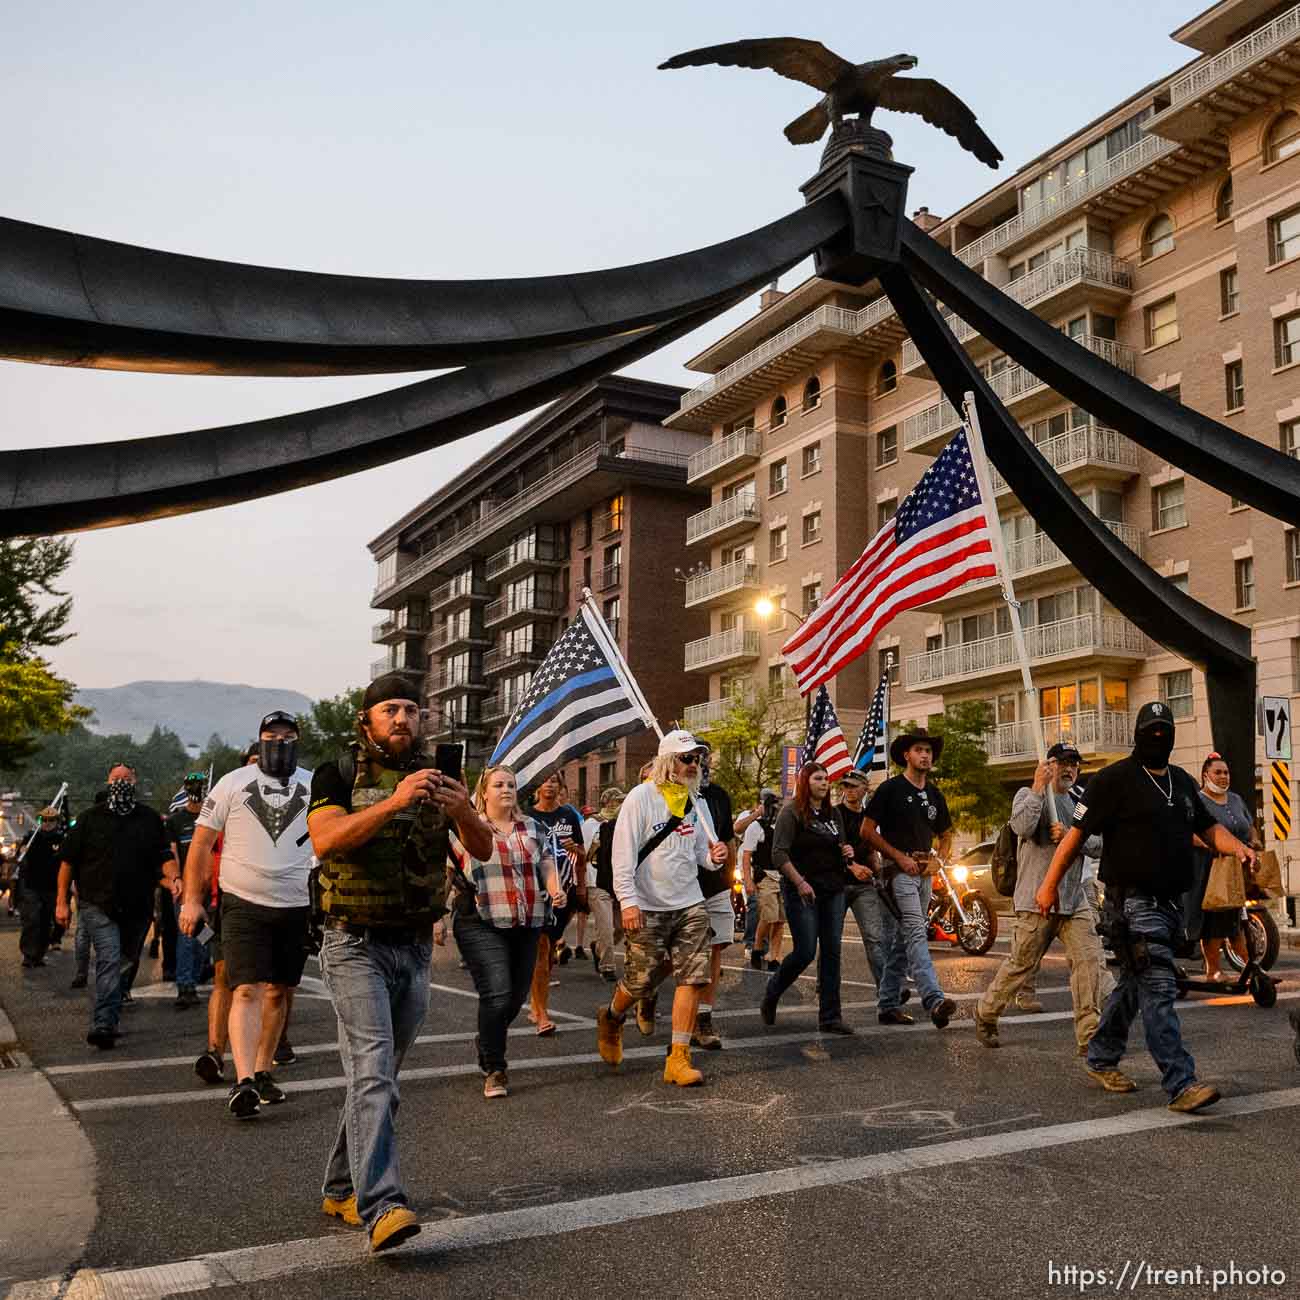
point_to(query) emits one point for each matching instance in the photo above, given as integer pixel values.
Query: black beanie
(391, 686)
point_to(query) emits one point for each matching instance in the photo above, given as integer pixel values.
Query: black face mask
(1153, 745)
(278, 758)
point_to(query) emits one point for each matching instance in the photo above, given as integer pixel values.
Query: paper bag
(1268, 875)
(1225, 890)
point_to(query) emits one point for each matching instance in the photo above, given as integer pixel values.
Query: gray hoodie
(1029, 820)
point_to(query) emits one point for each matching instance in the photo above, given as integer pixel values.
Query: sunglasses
(689, 760)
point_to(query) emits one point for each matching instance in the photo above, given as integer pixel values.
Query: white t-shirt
(261, 821)
(590, 829)
(753, 836)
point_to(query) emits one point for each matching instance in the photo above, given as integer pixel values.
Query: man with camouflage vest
(380, 818)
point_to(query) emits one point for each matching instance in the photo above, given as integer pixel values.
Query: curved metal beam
(69, 299)
(1234, 463)
(98, 485)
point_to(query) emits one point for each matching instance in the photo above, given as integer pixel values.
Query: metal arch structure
(70, 300)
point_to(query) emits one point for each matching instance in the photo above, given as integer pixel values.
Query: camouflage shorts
(681, 937)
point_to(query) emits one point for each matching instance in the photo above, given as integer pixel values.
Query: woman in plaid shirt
(501, 906)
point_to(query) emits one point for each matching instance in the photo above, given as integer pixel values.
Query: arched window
(887, 380)
(778, 413)
(1283, 139)
(812, 393)
(1158, 237)
(1223, 203)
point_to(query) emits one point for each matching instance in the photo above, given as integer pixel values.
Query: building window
(888, 659)
(1229, 294)
(1176, 691)
(778, 413)
(1284, 236)
(1234, 383)
(812, 527)
(885, 511)
(1168, 506)
(1283, 138)
(778, 477)
(776, 681)
(608, 774)
(1223, 201)
(812, 597)
(615, 521)
(1289, 439)
(1158, 237)
(613, 611)
(777, 542)
(1295, 665)
(812, 459)
(886, 447)
(812, 394)
(887, 379)
(1243, 574)
(1291, 543)
(1286, 340)
(933, 643)
(1162, 322)
(586, 570)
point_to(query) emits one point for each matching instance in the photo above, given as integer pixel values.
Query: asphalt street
(905, 1158)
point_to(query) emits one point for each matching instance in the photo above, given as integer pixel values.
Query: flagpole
(618, 663)
(982, 476)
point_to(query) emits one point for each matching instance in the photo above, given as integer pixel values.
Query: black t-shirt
(760, 859)
(906, 817)
(813, 847)
(40, 867)
(852, 824)
(562, 823)
(715, 880)
(117, 860)
(180, 827)
(1147, 843)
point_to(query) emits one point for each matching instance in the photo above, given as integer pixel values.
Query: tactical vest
(399, 876)
(760, 860)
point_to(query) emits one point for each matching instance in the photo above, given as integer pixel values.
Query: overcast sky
(400, 138)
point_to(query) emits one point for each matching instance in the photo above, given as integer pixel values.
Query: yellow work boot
(345, 1209)
(393, 1227)
(609, 1037)
(678, 1068)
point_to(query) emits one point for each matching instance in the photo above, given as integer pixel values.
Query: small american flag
(938, 540)
(870, 755)
(826, 743)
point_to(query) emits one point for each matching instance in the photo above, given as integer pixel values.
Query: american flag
(826, 743)
(938, 540)
(580, 699)
(871, 755)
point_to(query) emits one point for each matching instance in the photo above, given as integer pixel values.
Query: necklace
(1168, 794)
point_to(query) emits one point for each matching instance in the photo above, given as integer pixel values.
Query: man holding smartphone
(380, 821)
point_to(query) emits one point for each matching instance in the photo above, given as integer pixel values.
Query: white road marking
(250, 1265)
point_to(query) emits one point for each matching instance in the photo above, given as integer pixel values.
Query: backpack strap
(662, 834)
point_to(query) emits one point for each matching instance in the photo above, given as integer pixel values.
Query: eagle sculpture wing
(940, 107)
(790, 56)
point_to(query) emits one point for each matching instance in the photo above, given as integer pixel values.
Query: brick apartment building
(478, 580)
(1164, 236)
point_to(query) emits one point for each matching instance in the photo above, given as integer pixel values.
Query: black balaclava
(1153, 744)
(278, 759)
(121, 797)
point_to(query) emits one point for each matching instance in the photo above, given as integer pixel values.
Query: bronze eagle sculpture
(849, 88)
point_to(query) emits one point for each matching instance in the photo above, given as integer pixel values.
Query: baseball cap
(1154, 714)
(611, 795)
(855, 776)
(1064, 751)
(277, 717)
(681, 742)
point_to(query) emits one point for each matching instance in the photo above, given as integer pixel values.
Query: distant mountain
(193, 710)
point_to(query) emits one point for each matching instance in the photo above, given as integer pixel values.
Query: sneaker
(284, 1054)
(344, 1208)
(1028, 1002)
(78, 982)
(104, 1039)
(1196, 1096)
(563, 952)
(392, 1228)
(153, 948)
(55, 947)
(127, 999)
(495, 1085)
(986, 1030)
(210, 1068)
(904, 997)
(186, 998)
(757, 958)
(772, 967)
(267, 1088)
(1112, 1080)
(705, 1036)
(895, 1017)
(942, 1012)
(580, 953)
(836, 1027)
(767, 1011)
(243, 1101)
(645, 1015)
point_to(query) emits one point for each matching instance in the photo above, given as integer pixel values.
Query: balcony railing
(929, 423)
(1089, 731)
(382, 631)
(532, 550)
(448, 678)
(735, 448)
(1142, 154)
(700, 717)
(610, 576)
(458, 589)
(1088, 633)
(722, 647)
(501, 660)
(495, 709)
(1040, 552)
(543, 604)
(379, 667)
(736, 511)
(739, 575)
(611, 522)
(1089, 444)
(467, 634)
(1284, 29)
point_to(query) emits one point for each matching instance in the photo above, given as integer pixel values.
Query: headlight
(959, 874)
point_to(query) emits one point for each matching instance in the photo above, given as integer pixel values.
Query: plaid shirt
(510, 887)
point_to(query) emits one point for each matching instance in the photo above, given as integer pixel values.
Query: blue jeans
(751, 919)
(864, 903)
(1152, 991)
(81, 948)
(380, 993)
(816, 929)
(191, 957)
(104, 935)
(905, 947)
(501, 965)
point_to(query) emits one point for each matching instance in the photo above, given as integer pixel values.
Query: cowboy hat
(901, 744)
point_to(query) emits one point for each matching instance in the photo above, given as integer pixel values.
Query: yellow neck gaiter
(675, 796)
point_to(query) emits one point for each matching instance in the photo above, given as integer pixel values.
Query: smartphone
(449, 760)
(204, 936)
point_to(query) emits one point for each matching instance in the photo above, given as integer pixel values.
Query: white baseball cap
(681, 742)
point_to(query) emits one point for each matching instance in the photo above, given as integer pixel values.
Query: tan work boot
(705, 1035)
(1030, 1003)
(1111, 1080)
(345, 1209)
(678, 1068)
(986, 1030)
(645, 1015)
(1196, 1096)
(609, 1037)
(393, 1227)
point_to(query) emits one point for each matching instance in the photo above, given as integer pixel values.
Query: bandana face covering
(675, 796)
(1153, 745)
(121, 797)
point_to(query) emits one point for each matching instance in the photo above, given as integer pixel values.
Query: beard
(691, 780)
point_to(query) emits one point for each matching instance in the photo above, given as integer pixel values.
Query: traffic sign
(1275, 715)
(1281, 782)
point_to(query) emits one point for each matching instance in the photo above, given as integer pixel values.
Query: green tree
(747, 743)
(329, 728)
(976, 797)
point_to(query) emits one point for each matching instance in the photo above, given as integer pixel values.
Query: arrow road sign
(1276, 713)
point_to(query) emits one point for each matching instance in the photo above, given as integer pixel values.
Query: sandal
(546, 1030)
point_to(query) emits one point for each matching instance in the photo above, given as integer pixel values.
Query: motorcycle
(958, 915)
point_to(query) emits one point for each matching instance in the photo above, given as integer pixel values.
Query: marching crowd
(376, 855)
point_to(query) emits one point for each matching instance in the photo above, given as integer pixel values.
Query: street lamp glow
(764, 607)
